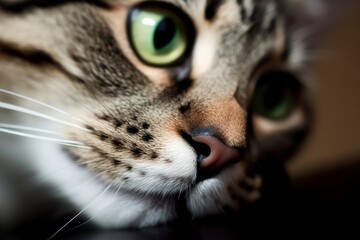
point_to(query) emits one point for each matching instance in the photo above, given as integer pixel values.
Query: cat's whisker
(25, 128)
(49, 139)
(117, 191)
(80, 225)
(39, 103)
(84, 209)
(89, 220)
(16, 108)
(99, 101)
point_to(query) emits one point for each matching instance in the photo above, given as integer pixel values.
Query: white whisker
(39, 103)
(31, 129)
(56, 140)
(117, 191)
(80, 225)
(86, 207)
(16, 108)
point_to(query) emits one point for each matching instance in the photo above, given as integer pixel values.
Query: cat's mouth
(207, 174)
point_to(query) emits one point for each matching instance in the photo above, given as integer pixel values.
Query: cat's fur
(139, 170)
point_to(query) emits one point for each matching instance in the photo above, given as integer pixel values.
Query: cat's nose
(212, 154)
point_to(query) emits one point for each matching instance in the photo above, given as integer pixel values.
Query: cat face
(171, 97)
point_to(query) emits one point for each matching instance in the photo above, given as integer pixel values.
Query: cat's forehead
(249, 11)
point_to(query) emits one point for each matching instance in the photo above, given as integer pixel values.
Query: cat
(135, 113)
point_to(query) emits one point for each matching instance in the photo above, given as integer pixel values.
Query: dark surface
(328, 202)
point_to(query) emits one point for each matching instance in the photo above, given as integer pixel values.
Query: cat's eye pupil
(273, 96)
(164, 33)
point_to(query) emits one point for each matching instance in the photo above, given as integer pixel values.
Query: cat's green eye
(275, 95)
(158, 34)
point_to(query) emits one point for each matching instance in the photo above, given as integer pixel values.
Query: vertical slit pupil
(164, 33)
(274, 96)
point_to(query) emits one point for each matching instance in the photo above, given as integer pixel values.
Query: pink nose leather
(220, 154)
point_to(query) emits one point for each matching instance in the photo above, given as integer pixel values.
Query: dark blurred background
(335, 139)
(326, 172)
